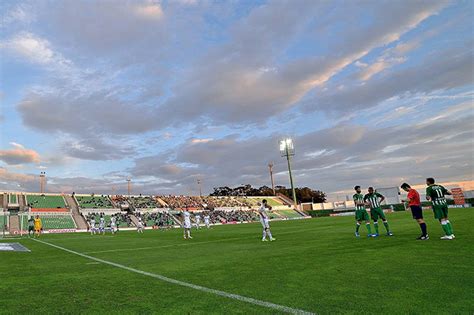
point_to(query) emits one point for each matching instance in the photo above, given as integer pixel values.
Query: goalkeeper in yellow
(38, 226)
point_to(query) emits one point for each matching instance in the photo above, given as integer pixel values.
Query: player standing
(102, 225)
(113, 224)
(140, 225)
(361, 213)
(413, 200)
(38, 226)
(31, 226)
(375, 199)
(262, 211)
(187, 224)
(436, 194)
(197, 217)
(207, 219)
(92, 224)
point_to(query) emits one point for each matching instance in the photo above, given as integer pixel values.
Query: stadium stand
(12, 198)
(144, 202)
(45, 202)
(122, 219)
(94, 202)
(289, 213)
(52, 221)
(156, 218)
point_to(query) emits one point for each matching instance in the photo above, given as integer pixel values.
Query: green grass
(315, 265)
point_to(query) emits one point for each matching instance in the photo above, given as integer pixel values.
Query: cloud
(19, 155)
(96, 149)
(149, 11)
(238, 77)
(441, 71)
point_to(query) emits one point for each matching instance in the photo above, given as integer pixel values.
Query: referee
(416, 210)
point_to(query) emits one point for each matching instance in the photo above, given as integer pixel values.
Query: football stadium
(236, 157)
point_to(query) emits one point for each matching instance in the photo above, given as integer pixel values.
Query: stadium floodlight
(42, 182)
(287, 150)
(129, 186)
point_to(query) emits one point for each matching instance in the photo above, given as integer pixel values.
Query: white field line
(187, 244)
(237, 297)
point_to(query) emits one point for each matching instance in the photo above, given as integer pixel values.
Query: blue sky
(166, 92)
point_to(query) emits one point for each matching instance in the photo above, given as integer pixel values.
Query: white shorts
(265, 223)
(187, 224)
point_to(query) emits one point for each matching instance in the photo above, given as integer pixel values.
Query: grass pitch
(315, 265)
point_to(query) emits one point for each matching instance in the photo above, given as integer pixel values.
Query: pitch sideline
(237, 297)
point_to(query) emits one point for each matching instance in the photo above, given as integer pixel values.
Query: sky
(168, 92)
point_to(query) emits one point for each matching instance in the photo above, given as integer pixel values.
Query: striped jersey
(373, 199)
(359, 198)
(437, 193)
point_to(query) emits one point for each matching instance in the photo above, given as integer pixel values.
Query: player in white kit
(207, 220)
(92, 224)
(113, 225)
(197, 217)
(262, 211)
(187, 224)
(102, 225)
(140, 226)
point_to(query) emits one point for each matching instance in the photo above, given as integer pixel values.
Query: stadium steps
(164, 204)
(76, 215)
(22, 202)
(134, 219)
(5, 201)
(285, 200)
(14, 224)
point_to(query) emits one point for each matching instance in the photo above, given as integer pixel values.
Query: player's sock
(264, 235)
(376, 226)
(189, 233)
(444, 225)
(385, 223)
(424, 231)
(450, 227)
(269, 234)
(367, 225)
(357, 227)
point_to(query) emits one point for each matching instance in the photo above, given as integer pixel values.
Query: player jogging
(197, 217)
(361, 213)
(38, 226)
(262, 211)
(113, 225)
(31, 226)
(102, 225)
(187, 224)
(140, 226)
(413, 200)
(207, 219)
(92, 224)
(374, 199)
(436, 194)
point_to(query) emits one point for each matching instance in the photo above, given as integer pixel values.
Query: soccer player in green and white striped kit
(437, 193)
(361, 213)
(374, 199)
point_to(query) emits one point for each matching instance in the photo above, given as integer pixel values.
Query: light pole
(129, 185)
(42, 181)
(199, 182)
(270, 167)
(287, 150)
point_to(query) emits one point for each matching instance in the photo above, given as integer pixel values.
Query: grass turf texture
(316, 265)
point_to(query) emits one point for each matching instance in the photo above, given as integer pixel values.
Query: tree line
(303, 194)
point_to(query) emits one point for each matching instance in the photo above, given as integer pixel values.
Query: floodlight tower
(287, 150)
(129, 185)
(199, 182)
(270, 168)
(42, 181)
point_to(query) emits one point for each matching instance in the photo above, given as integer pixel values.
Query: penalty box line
(237, 297)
